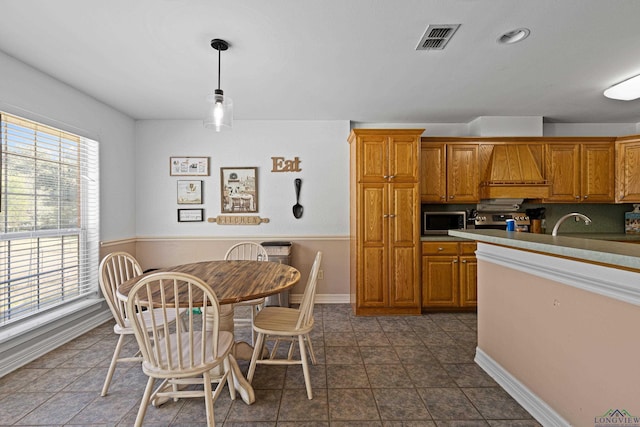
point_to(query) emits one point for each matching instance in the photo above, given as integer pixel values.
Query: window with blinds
(49, 218)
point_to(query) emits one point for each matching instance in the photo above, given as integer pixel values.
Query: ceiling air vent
(436, 37)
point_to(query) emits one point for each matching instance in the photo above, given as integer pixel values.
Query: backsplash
(605, 218)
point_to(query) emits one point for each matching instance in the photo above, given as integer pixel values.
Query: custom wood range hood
(512, 171)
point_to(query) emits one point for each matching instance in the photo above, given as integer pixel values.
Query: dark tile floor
(372, 371)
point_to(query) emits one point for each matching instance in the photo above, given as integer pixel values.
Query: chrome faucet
(577, 215)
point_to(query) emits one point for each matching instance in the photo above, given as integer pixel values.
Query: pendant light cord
(218, 69)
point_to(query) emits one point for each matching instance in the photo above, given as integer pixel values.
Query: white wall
(29, 93)
(320, 145)
(506, 126)
(511, 126)
(590, 129)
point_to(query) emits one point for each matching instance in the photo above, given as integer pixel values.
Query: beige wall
(165, 252)
(575, 350)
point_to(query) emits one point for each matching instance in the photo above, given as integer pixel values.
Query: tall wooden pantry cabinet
(385, 221)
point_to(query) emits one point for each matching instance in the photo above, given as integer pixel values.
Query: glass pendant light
(220, 108)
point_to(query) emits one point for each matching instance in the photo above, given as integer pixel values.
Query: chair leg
(253, 332)
(112, 366)
(208, 399)
(311, 353)
(257, 351)
(145, 402)
(305, 367)
(230, 382)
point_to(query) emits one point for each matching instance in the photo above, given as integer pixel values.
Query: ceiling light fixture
(220, 111)
(627, 90)
(514, 36)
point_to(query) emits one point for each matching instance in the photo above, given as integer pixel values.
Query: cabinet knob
(392, 176)
(586, 197)
(385, 216)
(442, 197)
(392, 216)
(385, 176)
(455, 261)
(451, 197)
(577, 197)
(441, 249)
(464, 261)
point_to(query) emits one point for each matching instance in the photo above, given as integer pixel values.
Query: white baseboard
(322, 298)
(537, 407)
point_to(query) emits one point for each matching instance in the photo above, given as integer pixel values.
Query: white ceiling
(336, 59)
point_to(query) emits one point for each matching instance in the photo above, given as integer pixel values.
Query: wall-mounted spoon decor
(297, 208)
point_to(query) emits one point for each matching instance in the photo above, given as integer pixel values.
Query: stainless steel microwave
(442, 222)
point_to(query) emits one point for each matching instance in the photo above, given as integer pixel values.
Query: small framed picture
(190, 215)
(189, 192)
(189, 166)
(239, 192)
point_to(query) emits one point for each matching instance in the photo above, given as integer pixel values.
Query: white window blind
(49, 218)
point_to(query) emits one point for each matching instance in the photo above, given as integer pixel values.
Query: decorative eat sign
(280, 164)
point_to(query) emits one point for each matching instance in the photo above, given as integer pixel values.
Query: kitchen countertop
(442, 238)
(602, 248)
(618, 237)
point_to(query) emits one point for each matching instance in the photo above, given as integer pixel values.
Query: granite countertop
(599, 248)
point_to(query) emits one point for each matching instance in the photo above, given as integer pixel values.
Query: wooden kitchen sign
(280, 164)
(238, 220)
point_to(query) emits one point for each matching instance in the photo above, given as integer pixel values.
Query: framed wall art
(190, 215)
(189, 192)
(189, 166)
(239, 190)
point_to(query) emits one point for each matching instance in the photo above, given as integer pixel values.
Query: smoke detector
(436, 37)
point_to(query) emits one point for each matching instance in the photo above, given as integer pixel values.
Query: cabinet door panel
(468, 281)
(373, 277)
(372, 225)
(433, 173)
(403, 222)
(403, 280)
(628, 172)
(440, 281)
(563, 172)
(403, 159)
(374, 155)
(598, 173)
(462, 173)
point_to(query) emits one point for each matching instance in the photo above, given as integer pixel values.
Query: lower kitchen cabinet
(449, 275)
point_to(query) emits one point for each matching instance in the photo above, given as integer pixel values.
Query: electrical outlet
(320, 274)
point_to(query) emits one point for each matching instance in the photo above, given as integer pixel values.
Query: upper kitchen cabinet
(387, 156)
(433, 172)
(628, 169)
(448, 171)
(580, 171)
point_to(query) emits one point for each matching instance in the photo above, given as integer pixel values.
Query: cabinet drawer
(439, 248)
(468, 248)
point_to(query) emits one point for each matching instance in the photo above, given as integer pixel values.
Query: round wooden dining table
(232, 282)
